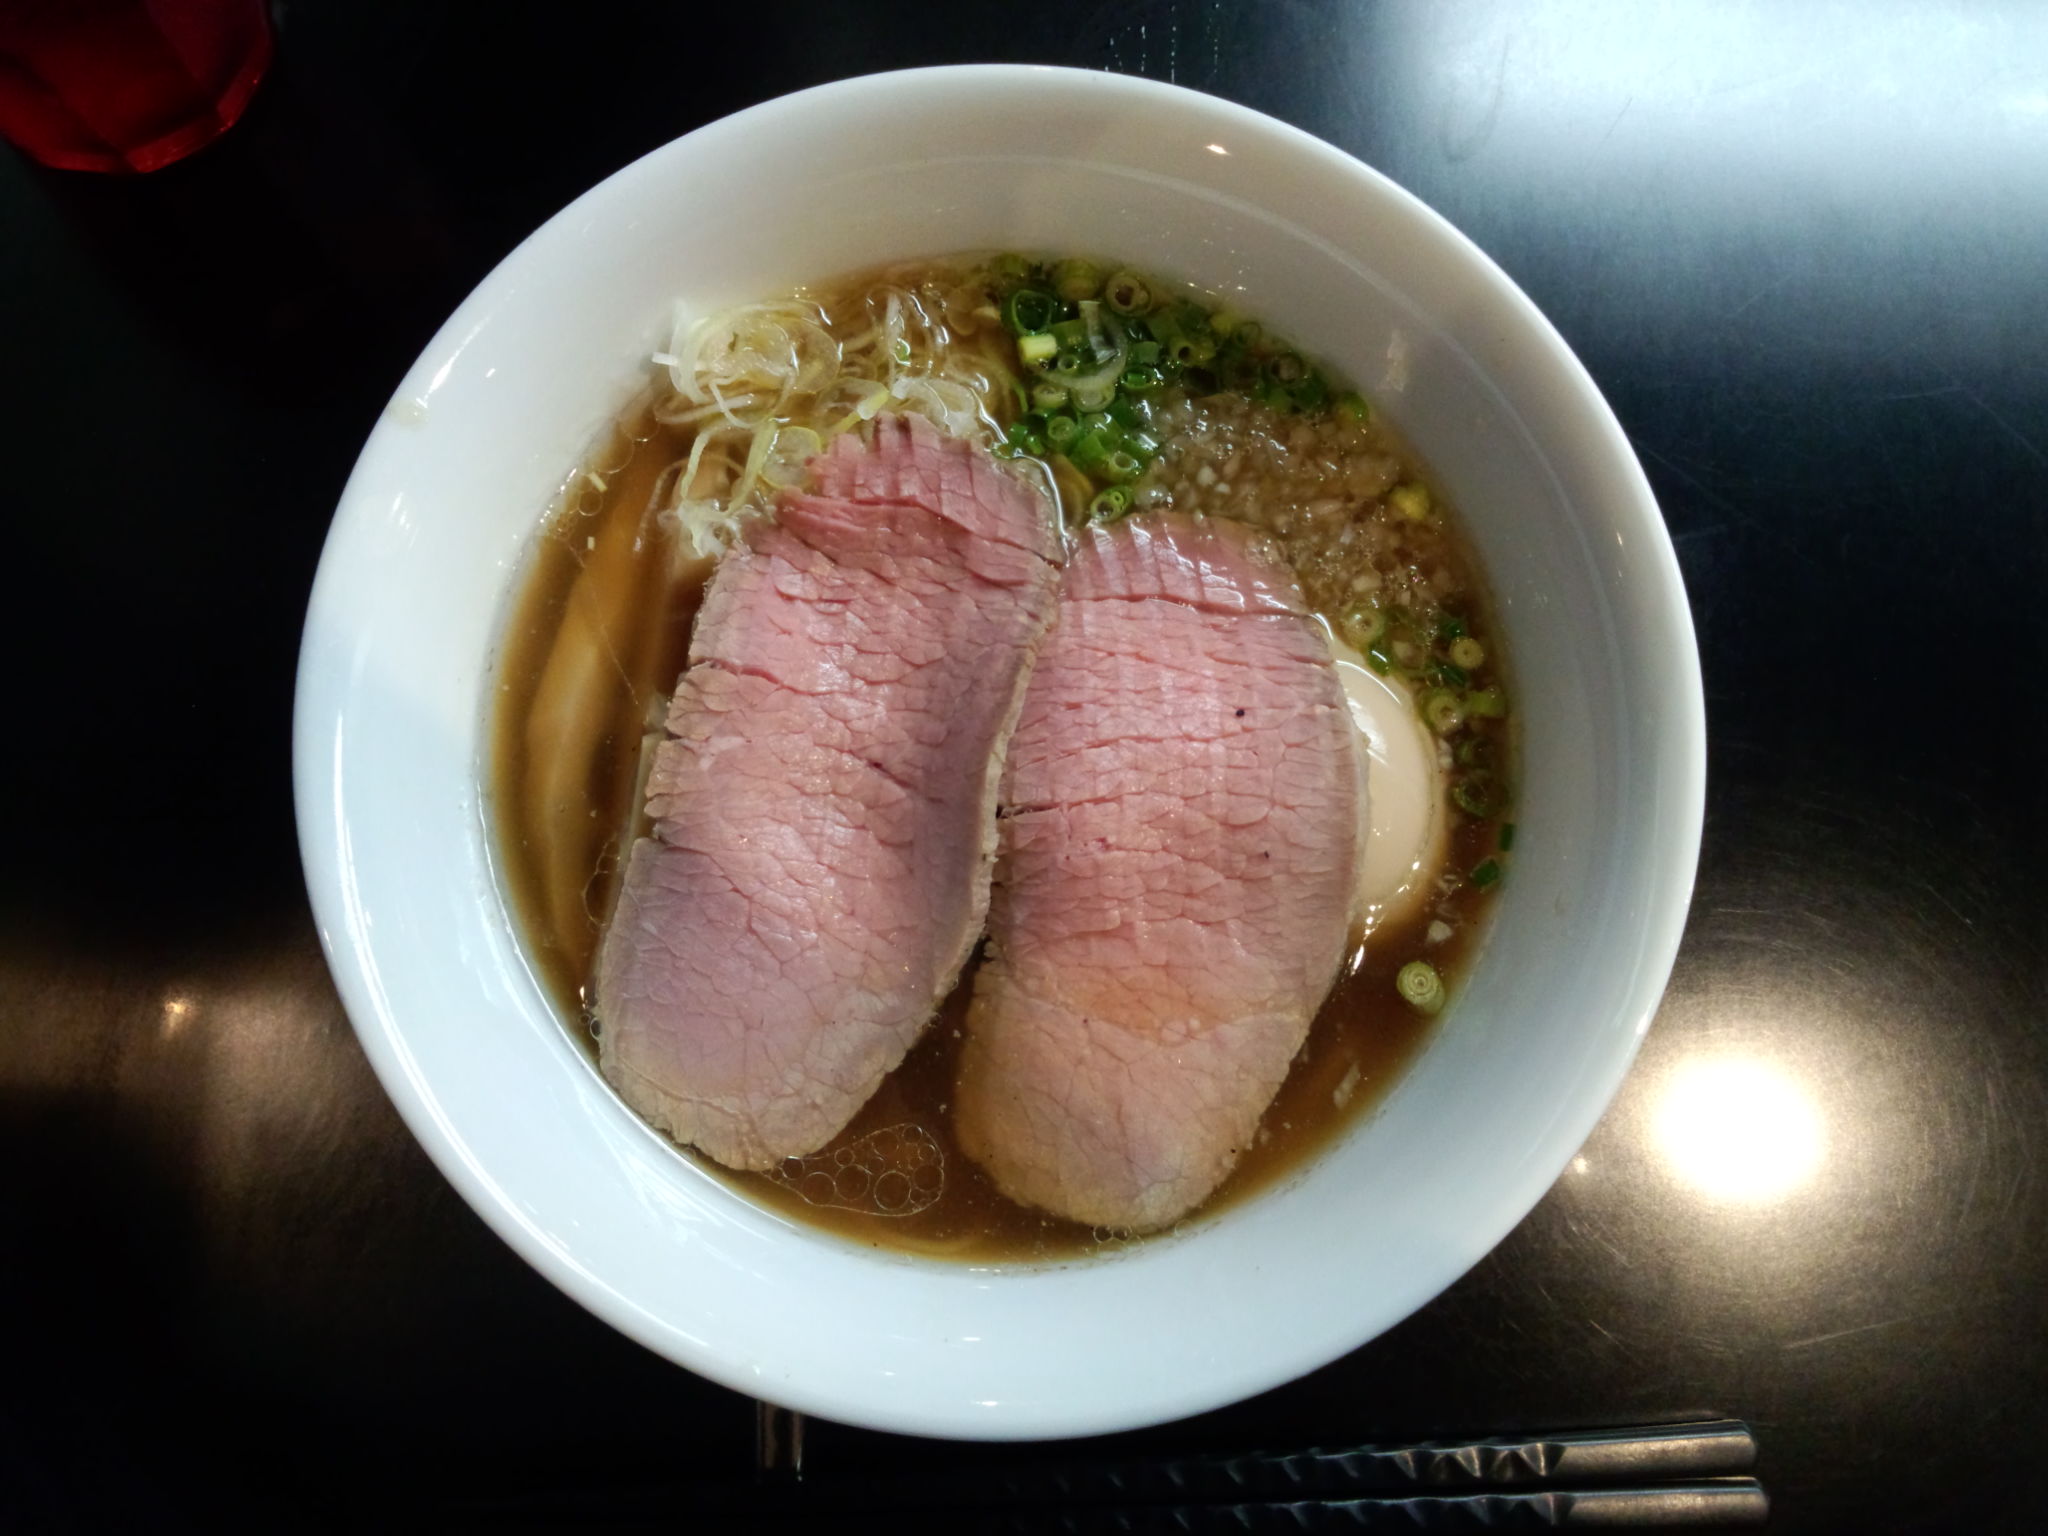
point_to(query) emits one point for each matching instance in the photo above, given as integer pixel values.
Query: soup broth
(599, 633)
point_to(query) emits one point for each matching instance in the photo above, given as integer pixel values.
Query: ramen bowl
(430, 541)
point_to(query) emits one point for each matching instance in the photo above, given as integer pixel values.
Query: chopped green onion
(1380, 662)
(1092, 396)
(1023, 437)
(1068, 365)
(1351, 407)
(1077, 280)
(1420, 987)
(1138, 380)
(1127, 293)
(1047, 396)
(1287, 369)
(1449, 627)
(1061, 431)
(1037, 349)
(1507, 836)
(1451, 675)
(1113, 502)
(1144, 354)
(1090, 450)
(1072, 335)
(1487, 703)
(1184, 336)
(1123, 465)
(1310, 393)
(1467, 652)
(1410, 501)
(1029, 310)
(1477, 794)
(1486, 874)
(1142, 443)
(1443, 711)
(1363, 627)
(1010, 264)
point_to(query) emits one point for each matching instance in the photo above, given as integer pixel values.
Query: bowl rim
(1520, 1188)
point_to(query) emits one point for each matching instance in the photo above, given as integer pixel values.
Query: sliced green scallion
(1093, 395)
(1060, 432)
(1363, 627)
(1037, 349)
(1127, 293)
(1076, 280)
(1310, 393)
(1444, 711)
(1420, 987)
(1507, 837)
(1468, 653)
(1029, 310)
(1486, 703)
(1351, 407)
(1485, 874)
(1477, 794)
(1128, 413)
(1047, 396)
(1110, 504)
(1090, 451)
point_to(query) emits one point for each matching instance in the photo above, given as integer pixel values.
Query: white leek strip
(794, 448)
(757, 455)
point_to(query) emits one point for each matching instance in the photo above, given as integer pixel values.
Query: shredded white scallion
(776, 373)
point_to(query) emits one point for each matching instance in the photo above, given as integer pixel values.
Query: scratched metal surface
(1799, 248)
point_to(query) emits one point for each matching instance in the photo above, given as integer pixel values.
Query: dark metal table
(1800, 248)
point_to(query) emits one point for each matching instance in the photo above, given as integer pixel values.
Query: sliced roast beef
(824, 805)
(1183, 816)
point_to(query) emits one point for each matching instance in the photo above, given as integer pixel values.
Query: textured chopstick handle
(1711, 1449)
(1735, 1502)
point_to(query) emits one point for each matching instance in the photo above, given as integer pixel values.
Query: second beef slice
(1183, 818)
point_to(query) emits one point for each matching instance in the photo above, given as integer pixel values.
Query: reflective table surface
(1801, 250)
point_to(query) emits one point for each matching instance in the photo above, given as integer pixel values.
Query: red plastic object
(126, 85)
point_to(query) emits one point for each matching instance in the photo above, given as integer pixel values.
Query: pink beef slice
(1182, 828)
(824, 805)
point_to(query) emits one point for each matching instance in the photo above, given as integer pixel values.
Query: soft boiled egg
(1405, 793)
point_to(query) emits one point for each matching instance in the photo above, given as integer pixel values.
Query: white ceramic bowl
(430, 540)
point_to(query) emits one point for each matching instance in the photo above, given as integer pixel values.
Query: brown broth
(598, 634)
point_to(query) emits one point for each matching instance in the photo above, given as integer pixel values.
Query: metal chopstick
(1641, 1454)
(1723, 1504)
